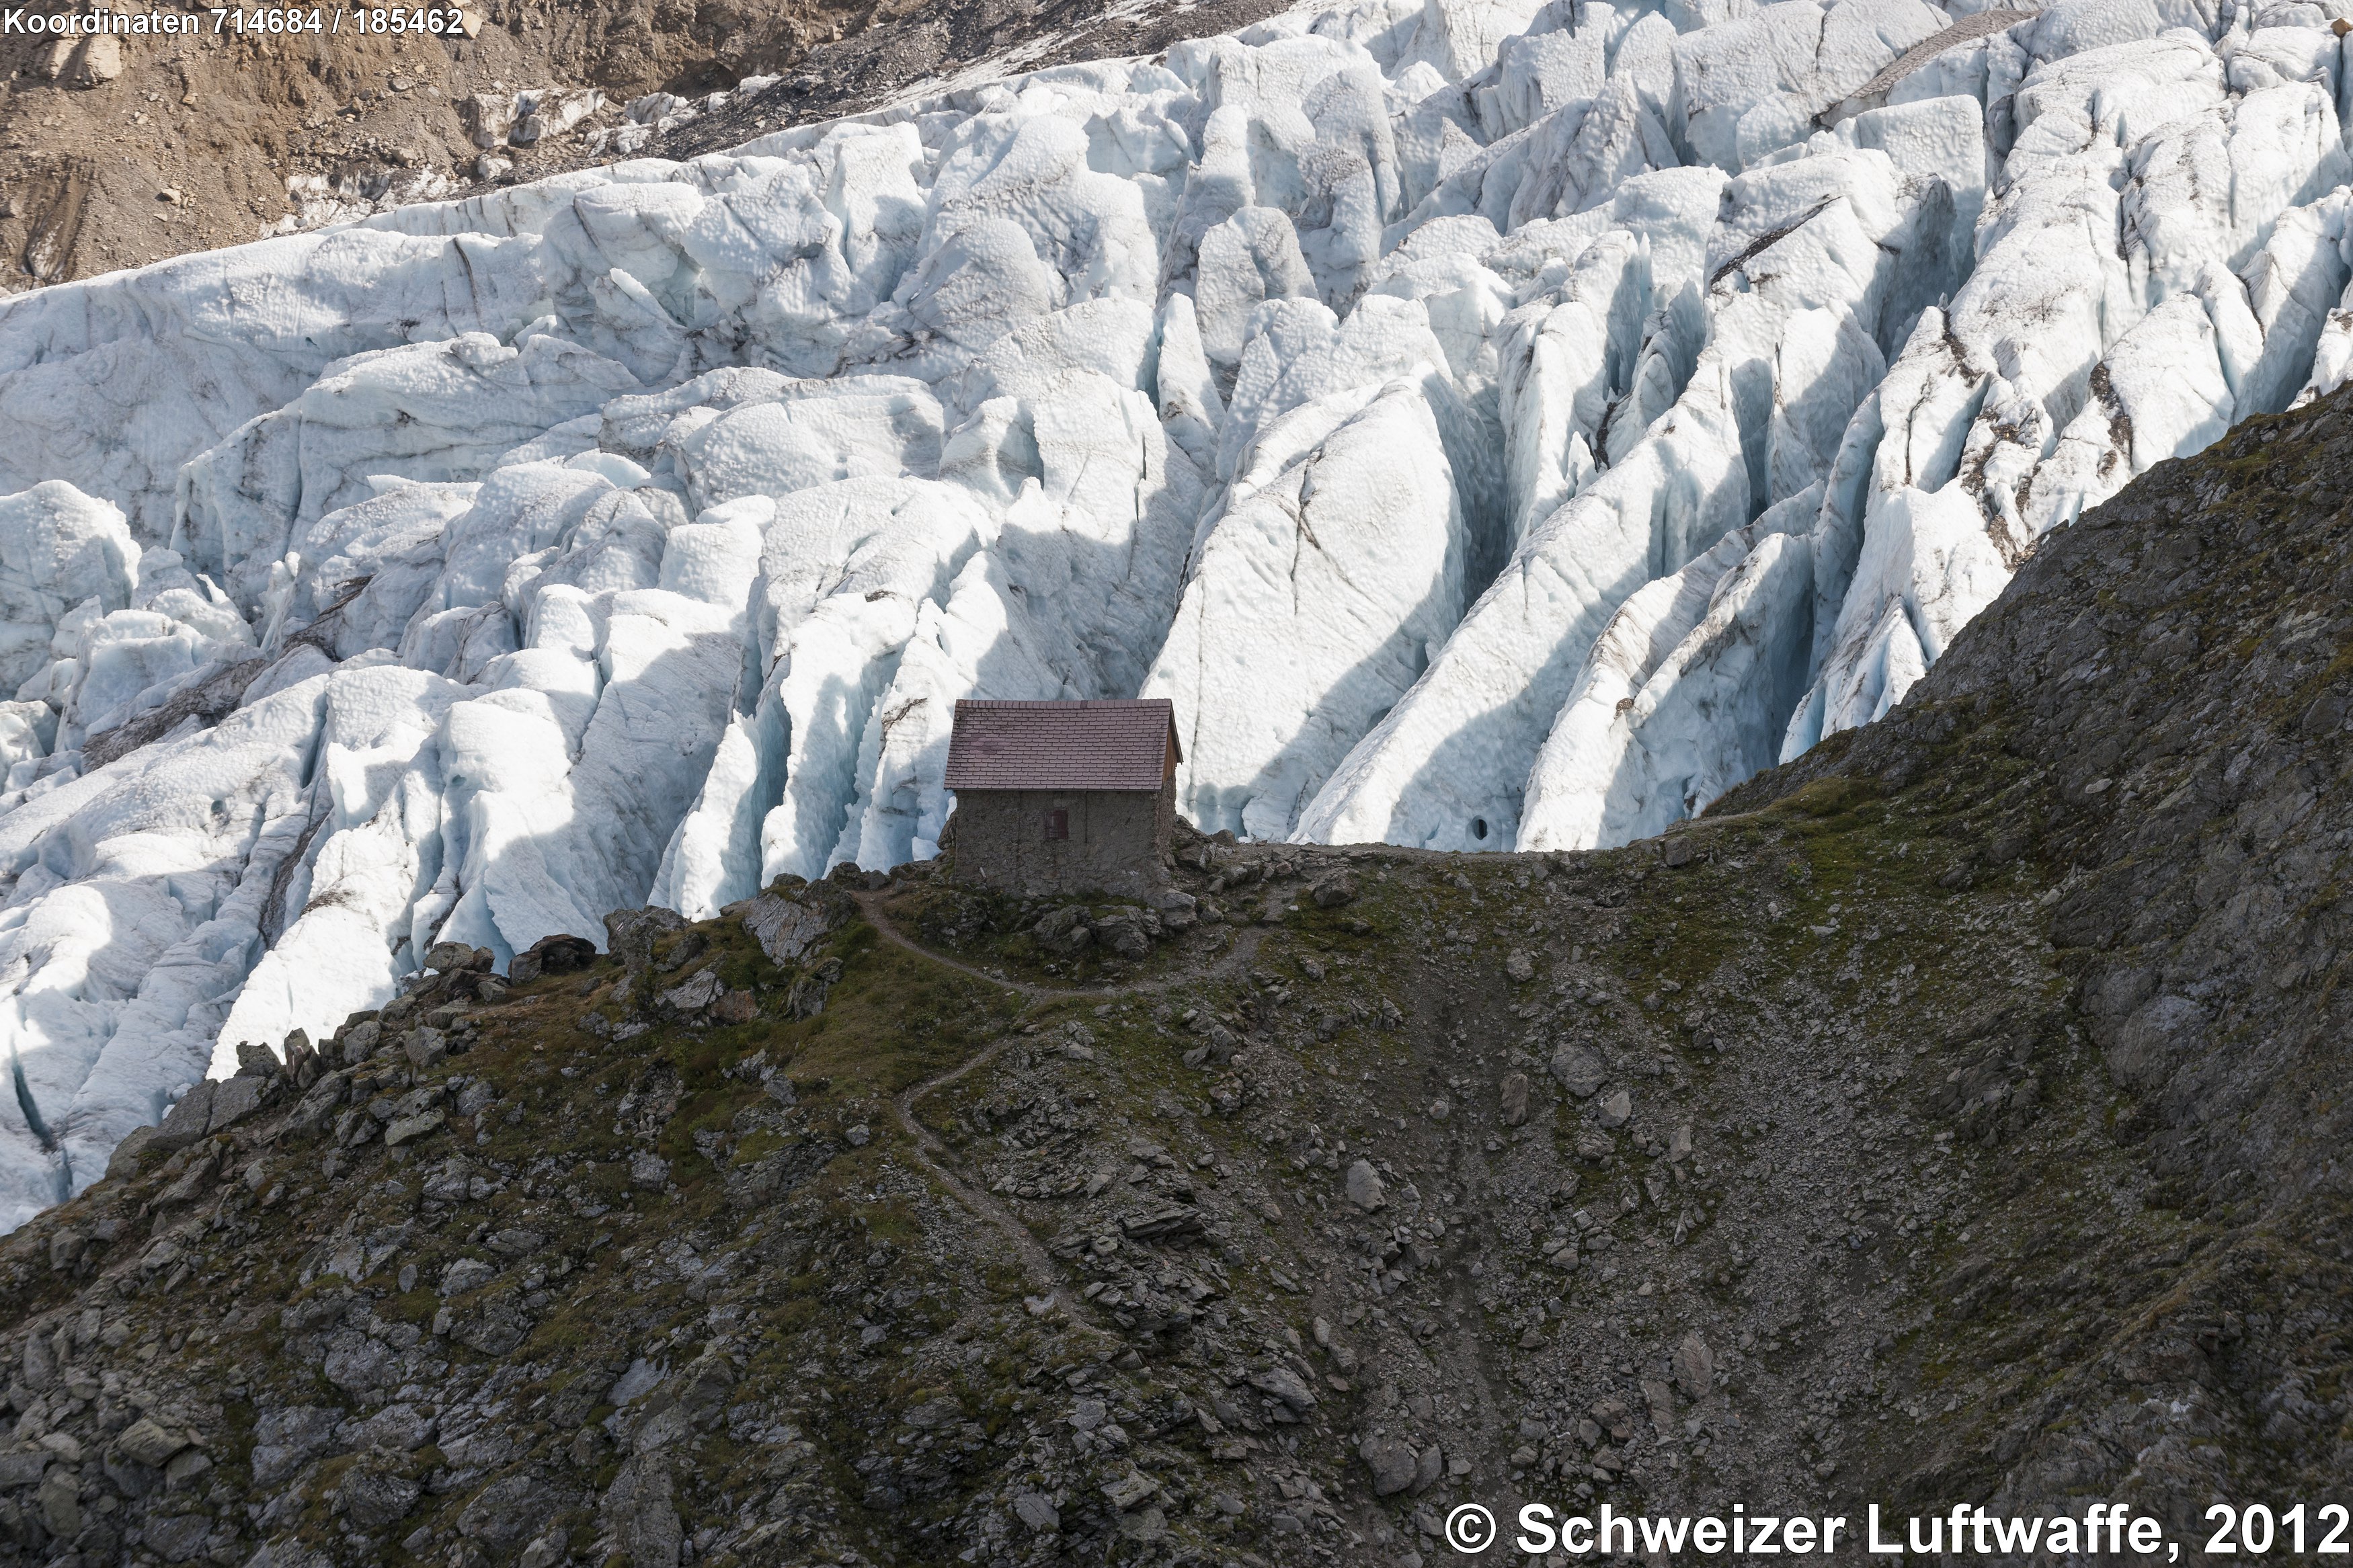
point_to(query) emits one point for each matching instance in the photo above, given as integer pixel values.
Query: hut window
(1057, 824)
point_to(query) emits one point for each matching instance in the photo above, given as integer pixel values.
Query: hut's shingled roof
(1099, 745)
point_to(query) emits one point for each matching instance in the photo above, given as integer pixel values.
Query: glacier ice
(1312, 602)
(1493, 423)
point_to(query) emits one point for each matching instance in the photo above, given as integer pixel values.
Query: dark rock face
(1954, 1116)
(2167, 680)
(372, 1497)
(789, 921)
(630, 934)
(550, 956)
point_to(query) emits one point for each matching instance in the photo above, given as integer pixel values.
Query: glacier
(1493, 424)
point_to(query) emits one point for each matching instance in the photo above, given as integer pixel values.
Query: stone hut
(1063, 797)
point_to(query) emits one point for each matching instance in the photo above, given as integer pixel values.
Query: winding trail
(1045, 1278)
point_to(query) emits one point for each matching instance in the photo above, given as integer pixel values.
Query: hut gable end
(1063, 797)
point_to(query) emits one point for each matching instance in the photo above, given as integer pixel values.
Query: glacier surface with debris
(1493, 425)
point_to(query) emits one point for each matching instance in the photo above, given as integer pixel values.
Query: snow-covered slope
(1492, 424)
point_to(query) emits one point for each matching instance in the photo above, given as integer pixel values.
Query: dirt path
(1046, 1279)
(1046, 1276)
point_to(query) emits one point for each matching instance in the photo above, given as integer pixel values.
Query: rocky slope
(128, 152)
(1490, 424)
(1951, 1117)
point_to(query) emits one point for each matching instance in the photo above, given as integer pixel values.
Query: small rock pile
(1128, 930)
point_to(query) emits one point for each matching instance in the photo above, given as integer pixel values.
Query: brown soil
(187, 142)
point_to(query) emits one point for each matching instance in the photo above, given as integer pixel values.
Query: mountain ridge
(1489, 424)
(1850, 1144)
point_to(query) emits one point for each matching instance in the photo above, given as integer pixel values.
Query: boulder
(66, 1247)
(187, 1119)
(360, 1042)
(508, 1511)
(1393, 1464)
(694, 993)
(38, 1365)
(150, 1444)
(630, 934)
(99, 62)
(233, 1100)
(59, 1501)
(1694, 1366)
(1579, 1070)
(317, 1107)
(551, 111)
(550, 956)
(425, 1048)
(408, 1128)
(125, 1161)
(1515, 1099)
(302, 1059)
(465, 1274)
(1065, 930)
(285, 1441)
(488, 117)
(373, 1497)
(639, 1511)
